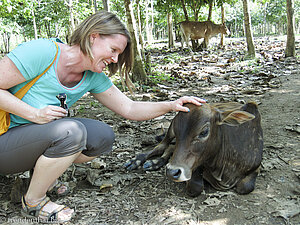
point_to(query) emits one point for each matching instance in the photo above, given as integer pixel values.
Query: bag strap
(20, 93)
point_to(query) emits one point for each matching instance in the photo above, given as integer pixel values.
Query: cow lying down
(221, 142)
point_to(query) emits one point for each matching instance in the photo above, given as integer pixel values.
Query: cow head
(224, 29)
(197, 135)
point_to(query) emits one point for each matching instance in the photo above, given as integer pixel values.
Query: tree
(248, 31)
(139, 26)
(223, 22)
(170, 31)
(149, 26)
(184, 10)
(105, 4)
(70, 5)
(290, 43)
(34, 24)
(211, 2)
(138, 71)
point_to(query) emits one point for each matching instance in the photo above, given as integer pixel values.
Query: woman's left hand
(177, 105)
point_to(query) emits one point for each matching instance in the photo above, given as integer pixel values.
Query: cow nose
(174, 173)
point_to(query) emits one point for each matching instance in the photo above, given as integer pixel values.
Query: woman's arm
(118, 102)
(11, 76)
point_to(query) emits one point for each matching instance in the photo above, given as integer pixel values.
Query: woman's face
(106, 49)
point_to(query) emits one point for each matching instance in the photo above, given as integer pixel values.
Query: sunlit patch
(174, 215)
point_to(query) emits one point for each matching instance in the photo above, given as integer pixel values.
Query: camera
(62, 97)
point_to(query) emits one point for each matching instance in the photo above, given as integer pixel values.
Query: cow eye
(204, 133)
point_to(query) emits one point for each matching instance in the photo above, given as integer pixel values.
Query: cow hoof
(135, 163)
(246, 185)
(131, 165)
(244, 189)
(154, 164)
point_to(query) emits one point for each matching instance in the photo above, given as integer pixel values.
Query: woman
(40, 136)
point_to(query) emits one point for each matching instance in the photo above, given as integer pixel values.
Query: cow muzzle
(178, 173)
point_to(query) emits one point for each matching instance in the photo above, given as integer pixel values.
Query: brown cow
(221, 142)
(195, 30)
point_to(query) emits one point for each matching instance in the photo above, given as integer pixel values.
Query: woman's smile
(106, 49)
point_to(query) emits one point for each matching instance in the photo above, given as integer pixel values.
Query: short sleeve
(33, 57)
(100, 82)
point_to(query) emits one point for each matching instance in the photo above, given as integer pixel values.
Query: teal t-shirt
(32, 58)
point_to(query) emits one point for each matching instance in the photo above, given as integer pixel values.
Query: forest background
(150, 21)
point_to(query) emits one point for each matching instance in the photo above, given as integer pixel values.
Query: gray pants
(20, 147)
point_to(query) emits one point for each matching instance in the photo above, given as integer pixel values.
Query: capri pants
(20, 147)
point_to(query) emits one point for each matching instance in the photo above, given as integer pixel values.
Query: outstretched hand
(177, 105)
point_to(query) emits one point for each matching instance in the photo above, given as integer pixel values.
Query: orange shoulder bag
(4, 116)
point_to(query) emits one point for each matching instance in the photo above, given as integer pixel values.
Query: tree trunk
(248, 31)
(194, 8)
(152, 21)
(95, 5)
(141, 40)
(211, 2)
(223, 22)
(148, 29)
(48, 29)
(265, 19)
(6, 41)
(170, 31)
(290, 43)
(105, 5)
(138, 71)
(184, 10)
(34, 24)
(71, 15)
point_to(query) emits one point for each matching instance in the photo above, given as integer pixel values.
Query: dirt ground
(105, 193)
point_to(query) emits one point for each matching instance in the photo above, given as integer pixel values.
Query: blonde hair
(105, 23)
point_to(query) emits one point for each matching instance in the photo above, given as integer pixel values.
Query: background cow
(221, 143)
(195, 30)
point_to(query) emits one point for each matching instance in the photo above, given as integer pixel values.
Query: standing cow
(195, 30)
(222, 143)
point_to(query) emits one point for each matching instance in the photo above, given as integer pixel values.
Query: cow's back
(193, 29)
(240, 151)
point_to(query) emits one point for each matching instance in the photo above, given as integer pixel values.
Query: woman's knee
(107, 137)
(100, 141)
(67, 137)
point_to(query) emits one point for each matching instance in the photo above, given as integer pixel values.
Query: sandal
(55, 189)
(36, 211)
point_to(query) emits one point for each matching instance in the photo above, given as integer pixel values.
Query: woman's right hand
(49, 113)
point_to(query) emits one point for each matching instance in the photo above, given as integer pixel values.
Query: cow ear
(236, 118)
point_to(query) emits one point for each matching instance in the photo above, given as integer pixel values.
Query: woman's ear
(93, 36)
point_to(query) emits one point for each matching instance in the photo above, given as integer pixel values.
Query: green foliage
(159, 77)
(117, 7)
(175, 7)
(53, 17)
(94, 104)
(81, 109)
(273, 11)
(252, 66)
